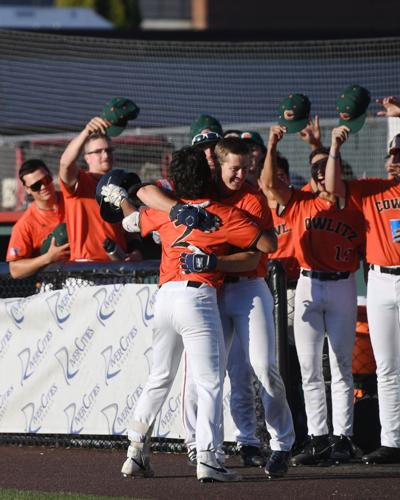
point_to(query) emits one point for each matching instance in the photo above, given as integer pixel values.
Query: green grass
(40, 495)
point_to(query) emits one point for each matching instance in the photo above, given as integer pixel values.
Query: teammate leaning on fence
(379, 201)
(186, 313)
(43, 215)
(329, 235)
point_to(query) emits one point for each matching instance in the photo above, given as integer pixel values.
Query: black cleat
(316, 451)
(252, 456)
(343, 449)
(383, 455)
(278, 463)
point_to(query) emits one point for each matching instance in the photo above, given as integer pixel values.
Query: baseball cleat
(277, 464)
(209, 470)
(383, 455)
(137, 463)
(343, 449)
(316, 451)
(252, 456)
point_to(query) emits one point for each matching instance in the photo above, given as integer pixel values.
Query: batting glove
(114, 195)
(195, 217)
(198, 262)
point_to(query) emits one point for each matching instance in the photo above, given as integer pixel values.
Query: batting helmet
(127, 180)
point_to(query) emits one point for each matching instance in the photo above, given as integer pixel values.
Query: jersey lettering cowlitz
(379, 200)
(255, 206)
(326, 237)
(236, 229)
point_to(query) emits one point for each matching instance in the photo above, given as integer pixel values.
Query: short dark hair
(233, 145)
(30, 166)
(190, 173)
(319, 151)
(282, 163)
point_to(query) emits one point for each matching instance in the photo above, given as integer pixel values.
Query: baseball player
(329, 236)
(246, 305)
(43, 215)
(379, 200)
(186, 312)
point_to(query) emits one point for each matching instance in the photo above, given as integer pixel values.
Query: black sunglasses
(44, 181)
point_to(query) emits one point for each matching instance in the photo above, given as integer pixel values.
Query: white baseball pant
(246, 309)
(185, 318)
(326, 308)
(242, 400)
(383, 301)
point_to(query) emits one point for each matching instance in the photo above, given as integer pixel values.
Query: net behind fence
(51, 85)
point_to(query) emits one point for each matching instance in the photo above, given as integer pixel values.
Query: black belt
(387, 270)
(231, 279)
(194, 284)
(236, 279)
(324, 276)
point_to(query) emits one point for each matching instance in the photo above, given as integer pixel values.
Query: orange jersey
(255, 206)
(86, 228)
(286, 250)
(326, 238)
(236, 229)
(379, 200)
(31, 229)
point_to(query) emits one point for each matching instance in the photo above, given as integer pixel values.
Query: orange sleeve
(21, 245)
(151, 220)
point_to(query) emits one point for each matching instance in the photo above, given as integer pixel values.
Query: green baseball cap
(118, 111)
(294, 112)
(59, 233)
(352, 105)
(205, 122)
(252, 136)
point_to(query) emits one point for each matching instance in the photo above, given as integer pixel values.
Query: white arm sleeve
(131, 223)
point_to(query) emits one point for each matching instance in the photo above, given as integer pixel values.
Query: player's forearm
(270, 184)
(68, 162)
(154, 197)
(333, 175)
(267, 242)
(238, 262)
(23, 268)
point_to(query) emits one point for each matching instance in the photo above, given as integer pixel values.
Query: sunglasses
(210, 136)
(44, 181)
(109, 151)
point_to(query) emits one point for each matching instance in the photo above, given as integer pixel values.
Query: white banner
(75, 361)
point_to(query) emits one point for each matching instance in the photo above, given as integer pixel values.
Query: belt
(194, 284)
(325, 276)
(236, 279)
(386, 270)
